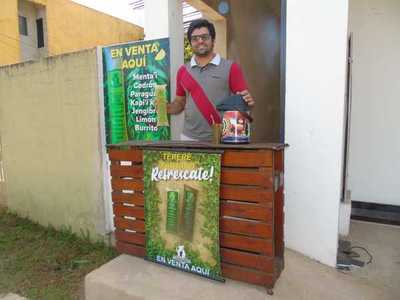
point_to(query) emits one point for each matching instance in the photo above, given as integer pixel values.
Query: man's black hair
(196, 24)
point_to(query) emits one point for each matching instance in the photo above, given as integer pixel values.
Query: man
(204, 82)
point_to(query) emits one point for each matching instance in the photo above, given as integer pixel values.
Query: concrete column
(221, 40)
(164, 19)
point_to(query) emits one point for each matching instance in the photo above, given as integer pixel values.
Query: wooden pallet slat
(249, 260)
(128, 211)
(123, 223)
(130, 237)
(246, 210)
(134, 171)
(245, 243)
(131, 249)
(134, 155)
(239, 193)
(136, 198)
(247, 275)
(250, 158)
(248, 228)
(127, 184)
(254, 177)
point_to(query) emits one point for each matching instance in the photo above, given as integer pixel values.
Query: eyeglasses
(203, 37)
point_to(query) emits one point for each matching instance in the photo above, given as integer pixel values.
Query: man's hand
(247, 97)
(176, 106)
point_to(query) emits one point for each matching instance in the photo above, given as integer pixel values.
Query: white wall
(374, 164)
(315, 86)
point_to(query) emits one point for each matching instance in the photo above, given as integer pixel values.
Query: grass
(44, 263)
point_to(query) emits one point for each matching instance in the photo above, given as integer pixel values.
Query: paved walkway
(127, 278)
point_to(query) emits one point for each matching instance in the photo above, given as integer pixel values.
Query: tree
(187, 50)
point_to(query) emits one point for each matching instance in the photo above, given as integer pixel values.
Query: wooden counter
(251, 205)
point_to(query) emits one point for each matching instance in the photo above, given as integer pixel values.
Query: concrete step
(132, 278)
(127, 278)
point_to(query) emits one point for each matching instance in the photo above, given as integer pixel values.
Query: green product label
(189, 209)
(172, 211)
(161, 105)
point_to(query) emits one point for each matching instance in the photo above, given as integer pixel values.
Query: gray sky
(116, 8)
(122, 10)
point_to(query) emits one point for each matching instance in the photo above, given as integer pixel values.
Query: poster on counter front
(181, 192)
(136, 91)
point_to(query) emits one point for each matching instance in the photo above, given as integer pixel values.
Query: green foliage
(155, 244)
(210, 206)
(188, 52)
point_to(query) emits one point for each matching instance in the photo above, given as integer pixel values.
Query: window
(23, 25)
(40, 34)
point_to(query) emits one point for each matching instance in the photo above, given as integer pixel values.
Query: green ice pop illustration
(172, 211)
(161, 104)
(189, 208)
(116, 106)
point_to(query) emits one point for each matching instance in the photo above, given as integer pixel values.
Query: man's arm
(176, 106)
(238, 84)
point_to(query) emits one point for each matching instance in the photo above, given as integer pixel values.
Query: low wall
(51, 146)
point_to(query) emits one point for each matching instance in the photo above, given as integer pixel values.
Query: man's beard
(204, 52)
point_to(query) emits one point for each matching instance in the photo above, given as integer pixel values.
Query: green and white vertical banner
(182, 210)
(136, 91)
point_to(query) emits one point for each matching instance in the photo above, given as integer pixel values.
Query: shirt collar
(215, 61)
